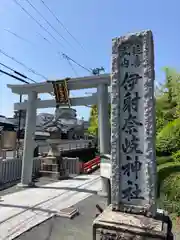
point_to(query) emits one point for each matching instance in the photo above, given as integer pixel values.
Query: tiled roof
(4, 120)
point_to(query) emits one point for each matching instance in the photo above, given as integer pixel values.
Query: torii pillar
(104, 129)
(29, 143)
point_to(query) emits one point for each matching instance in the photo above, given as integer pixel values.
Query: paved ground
(80, 228)
(58, 228)
(22, 210)
(40, 182)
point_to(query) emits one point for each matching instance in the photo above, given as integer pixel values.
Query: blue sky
(94, 23)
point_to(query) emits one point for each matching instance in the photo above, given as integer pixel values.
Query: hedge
(170, 194)
(171, 187)
(168, 140)
(164, 171)
(176, 156)
(164, 159)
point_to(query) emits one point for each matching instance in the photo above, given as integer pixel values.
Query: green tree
(168, 140)
(167, 99)
(93, 120)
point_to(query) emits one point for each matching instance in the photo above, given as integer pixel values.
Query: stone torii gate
(101, 98)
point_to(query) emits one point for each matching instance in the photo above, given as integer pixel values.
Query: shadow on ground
(58, 228)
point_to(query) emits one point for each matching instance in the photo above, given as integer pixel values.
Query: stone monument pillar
(133, 124)
(133, 212)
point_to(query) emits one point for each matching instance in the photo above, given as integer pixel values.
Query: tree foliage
(168, 140)
(167, 100)
(93, 120)
(168, 113)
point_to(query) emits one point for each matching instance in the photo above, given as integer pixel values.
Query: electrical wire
(63, 54)
(57, 19)
(13, 76)
(22, 64)
(75, 72)
(44, 38)
(39, 24)
(47, 21)
(21, 38)
(16, 35)
(18, 73)
(25, 40)
(59, 53)
(67, 57)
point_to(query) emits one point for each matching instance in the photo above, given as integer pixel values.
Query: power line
(67, 57)
(47, 21)
(25, 40)
(13, 76)
(44, 38)
(71, 67)
(21, 38)
(18, 73)
(41, 26)
(59, 53)
(16, 35)
(57, 19)
(22, 64)
(63, 54)
(93, 71)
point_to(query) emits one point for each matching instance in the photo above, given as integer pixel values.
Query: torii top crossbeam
(73, 84)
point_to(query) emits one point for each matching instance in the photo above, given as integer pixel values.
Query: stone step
(54, 175)
(50, 160)
(50, 167)
(70, 212)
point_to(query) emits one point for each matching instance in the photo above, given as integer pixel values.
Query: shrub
(164, 159)
(171, 187)
(168, 205)
(168, 140)
(176, 156)
(164, 171)
(170, 192)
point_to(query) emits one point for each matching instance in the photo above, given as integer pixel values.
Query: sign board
(133, 123)
(61, 92)
(8, 140)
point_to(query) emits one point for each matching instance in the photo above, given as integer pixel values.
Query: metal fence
(11, 166)
(44, 148)
(10, 169)
(71, 145)
(71, 165)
